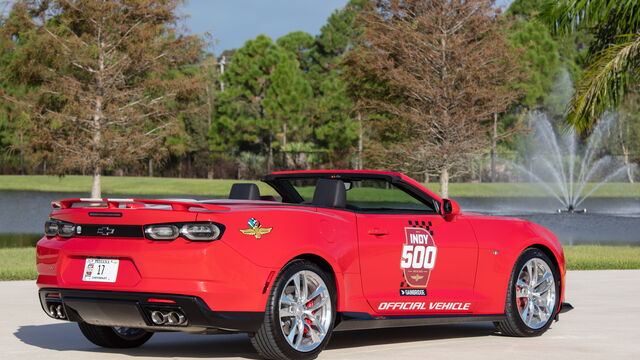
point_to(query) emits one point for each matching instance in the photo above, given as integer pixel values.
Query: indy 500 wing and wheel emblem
(339, 250)
(255, 229)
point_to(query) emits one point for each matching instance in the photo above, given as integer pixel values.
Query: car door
(412, 260)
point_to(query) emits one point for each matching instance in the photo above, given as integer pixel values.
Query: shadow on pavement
(348, 339)
(67, 337)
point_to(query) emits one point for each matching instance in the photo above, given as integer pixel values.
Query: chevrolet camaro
(329, 251)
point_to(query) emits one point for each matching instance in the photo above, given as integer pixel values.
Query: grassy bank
(602, 257)
(10, 240)
(113, 185)
(18, 263)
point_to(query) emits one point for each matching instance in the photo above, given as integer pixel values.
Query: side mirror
(450, 209)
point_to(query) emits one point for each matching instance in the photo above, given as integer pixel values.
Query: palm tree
(614, 54)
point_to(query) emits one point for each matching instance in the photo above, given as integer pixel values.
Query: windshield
(363, 194)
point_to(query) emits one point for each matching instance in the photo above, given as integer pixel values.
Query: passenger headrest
(330, 193)
(244, 192)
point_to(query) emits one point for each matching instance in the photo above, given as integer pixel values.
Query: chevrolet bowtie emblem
(255, 229)
(106, 231)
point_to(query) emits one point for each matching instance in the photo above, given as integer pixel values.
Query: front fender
(500, 243)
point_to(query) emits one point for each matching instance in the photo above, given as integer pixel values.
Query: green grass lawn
(113, 185)
(594, 257)
(19, 263)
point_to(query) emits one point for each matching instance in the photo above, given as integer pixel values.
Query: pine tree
(266, 96)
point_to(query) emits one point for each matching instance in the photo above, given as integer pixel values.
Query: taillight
(59, 228)
(204, 231)
(161, 232)
(51, 228)
(200, 232)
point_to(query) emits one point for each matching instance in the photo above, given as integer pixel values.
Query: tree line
(424, 87)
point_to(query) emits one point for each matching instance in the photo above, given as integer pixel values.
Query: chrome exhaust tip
(60, 312)
(168, 317)
(175, 318)
(158, 317)
(52, 310)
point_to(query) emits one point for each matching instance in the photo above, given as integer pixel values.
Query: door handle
(378, 232)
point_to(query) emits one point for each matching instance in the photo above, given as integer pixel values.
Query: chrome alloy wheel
(535, 293)
(305, 311)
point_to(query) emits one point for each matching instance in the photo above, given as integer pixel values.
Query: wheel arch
(329, 269)
(318, 260)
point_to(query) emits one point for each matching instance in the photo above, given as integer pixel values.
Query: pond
(608, 221)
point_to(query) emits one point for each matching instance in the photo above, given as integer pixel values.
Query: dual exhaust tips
(159, 317)
(56, 311)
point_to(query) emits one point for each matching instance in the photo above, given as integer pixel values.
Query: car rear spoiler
(134, 204)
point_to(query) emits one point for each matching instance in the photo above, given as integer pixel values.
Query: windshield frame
(281, 184)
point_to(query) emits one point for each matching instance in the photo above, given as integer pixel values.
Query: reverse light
(66, 229)
(161, 232)
(200, 232)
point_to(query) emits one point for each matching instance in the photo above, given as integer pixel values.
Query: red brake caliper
(309, 304)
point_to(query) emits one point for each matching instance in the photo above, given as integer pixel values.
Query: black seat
(245, 191)
(330, 193)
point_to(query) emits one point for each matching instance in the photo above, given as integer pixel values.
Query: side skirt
(361, 321)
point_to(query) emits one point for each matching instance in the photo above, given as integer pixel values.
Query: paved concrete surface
(604, 325)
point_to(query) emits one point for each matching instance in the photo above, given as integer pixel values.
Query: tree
(338, 124)
(240, 120)
(301, 45)
(336, 129)
(439, 69)
(265, 92)
(102, 70)
(624, 138)
(287, 102)
(614, 53)
(538, 58)
(195, 110)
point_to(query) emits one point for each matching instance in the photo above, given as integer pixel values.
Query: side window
(374, 195)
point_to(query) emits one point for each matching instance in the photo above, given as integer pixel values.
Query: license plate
(101, 270)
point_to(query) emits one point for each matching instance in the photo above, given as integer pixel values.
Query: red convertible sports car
(335, 250)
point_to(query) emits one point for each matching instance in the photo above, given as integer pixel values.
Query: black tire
(108, 337)
(513, 325)
(269, 340)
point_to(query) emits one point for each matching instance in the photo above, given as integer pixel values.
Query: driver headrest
(246, 191)
(330, 193)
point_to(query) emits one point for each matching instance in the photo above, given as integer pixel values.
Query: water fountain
(563, 168)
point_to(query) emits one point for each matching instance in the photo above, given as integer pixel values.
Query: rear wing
(133, 204)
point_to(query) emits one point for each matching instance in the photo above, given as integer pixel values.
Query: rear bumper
(133, 309)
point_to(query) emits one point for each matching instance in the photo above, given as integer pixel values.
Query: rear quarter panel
(298, 232)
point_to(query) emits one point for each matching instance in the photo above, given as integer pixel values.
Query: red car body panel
(470, 274)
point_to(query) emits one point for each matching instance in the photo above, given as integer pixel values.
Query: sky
(232, 22)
